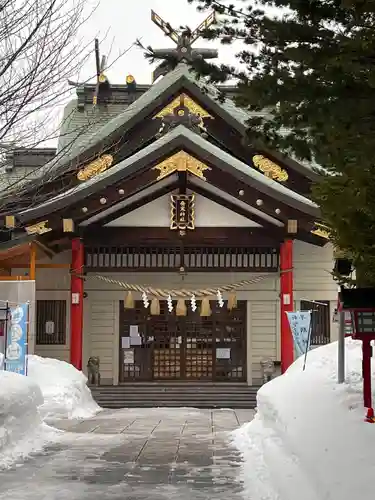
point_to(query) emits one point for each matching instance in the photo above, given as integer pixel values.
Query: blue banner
(300, 325)
(16, 340)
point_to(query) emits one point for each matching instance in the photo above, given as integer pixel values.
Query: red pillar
(76, 303)
(286, 303)
(366, 373)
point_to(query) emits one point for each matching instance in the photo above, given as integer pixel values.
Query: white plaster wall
(207, 214)
(312, 278)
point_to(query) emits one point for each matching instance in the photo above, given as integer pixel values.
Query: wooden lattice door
(193, 348)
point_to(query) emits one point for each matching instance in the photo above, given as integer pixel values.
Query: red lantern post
(361, 304)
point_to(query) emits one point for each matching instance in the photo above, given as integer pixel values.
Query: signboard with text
(300, 325)
(16, 340)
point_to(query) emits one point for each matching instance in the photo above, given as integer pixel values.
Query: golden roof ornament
(186, 101)
(321, 230)
(181, 162)
(39, 228)
(269, 168)
(95, 167)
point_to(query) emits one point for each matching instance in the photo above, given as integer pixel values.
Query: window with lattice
(51, 322)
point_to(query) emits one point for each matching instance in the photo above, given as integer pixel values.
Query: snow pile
(309, 439)
(21, 429)
(64, 389)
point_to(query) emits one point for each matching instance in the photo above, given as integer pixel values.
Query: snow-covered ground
(309, 439)
(22, 430)
(52, 389)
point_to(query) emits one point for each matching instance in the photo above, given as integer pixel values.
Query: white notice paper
(125, 342)
(129, 357)
(134, 332)
(223, 353)
(135, 340)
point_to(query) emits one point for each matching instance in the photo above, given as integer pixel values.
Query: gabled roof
(179, 138)
(181, 77)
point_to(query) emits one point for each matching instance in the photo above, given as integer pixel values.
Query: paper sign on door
(129, 357)
(125, 342)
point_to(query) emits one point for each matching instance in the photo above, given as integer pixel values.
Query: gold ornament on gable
(320, 230)
(186, 101)
(39, 228)
(95, 167)
(181, 162)
(270, 169)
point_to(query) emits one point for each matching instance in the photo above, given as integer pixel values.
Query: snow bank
(64, 389)
(21, 427)
(309, 439)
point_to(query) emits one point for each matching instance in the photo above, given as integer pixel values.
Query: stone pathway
(153, 454)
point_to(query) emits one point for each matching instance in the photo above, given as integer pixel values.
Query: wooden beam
(134, 205)
(42, 266)
(32, 268)
(250, 195)
(14, 278)
(182, 182)
(210, 236)
(93, 204)
(276, 231)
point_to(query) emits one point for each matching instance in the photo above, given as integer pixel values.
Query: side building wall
(312, 281)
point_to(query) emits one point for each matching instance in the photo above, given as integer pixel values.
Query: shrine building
(162, 242)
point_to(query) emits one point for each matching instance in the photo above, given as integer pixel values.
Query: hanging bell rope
(179, 293)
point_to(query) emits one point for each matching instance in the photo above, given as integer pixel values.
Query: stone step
(174, 389)
(178, 404)
(175, 394)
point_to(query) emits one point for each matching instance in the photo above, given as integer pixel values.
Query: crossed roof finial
(184, 41)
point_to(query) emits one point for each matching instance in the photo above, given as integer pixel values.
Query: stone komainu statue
(93, 370)
(268, 369)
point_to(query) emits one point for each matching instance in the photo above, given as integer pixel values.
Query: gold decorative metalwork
(182, 211)
(184, 100)
(270, 168)
(166, 27)
(39, 228)
(181, 162)
(95, 167)
(68, 225)
(321, 230)
(10, 221)
(292, 226)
